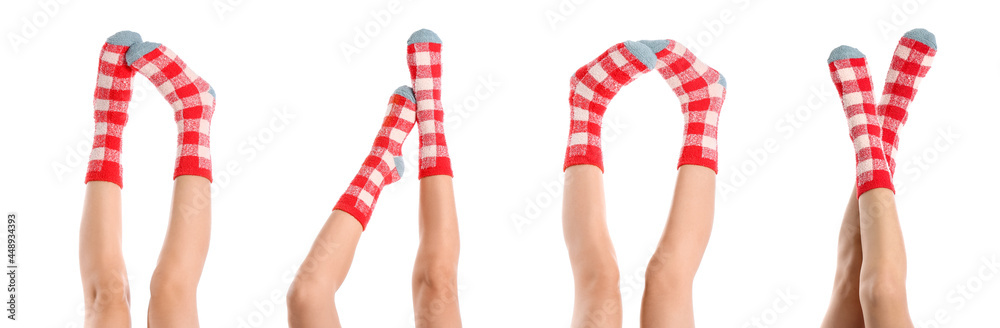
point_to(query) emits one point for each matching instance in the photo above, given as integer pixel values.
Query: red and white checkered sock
(111, 97)
(591, 89)
(910, 63)
(849, 71)
(192, 99)
(701, 90)
(423, 55)
(384, 164)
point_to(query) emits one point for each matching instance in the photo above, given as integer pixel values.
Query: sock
(910, 64)
(849, 71)
(191, 97)
(591, 89)
(384, 164)
(701, 90)
(423, 56)
(111, 97)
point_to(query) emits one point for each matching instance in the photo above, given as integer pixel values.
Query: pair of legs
(178, 269)
(311, 297)
(667, 299)
(870, 284)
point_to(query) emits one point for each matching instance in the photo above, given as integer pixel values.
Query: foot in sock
(111, 97)
(384, 164)
(701, 90)
(591, 89)
(423, 56)
(192, 99)
(910, 63)
(849, 71)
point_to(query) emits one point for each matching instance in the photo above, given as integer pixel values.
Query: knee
(880, 289)
(662, 272)
(107, 293)
(164, 285)
(439, 278)
(303, 293)
(602, 279)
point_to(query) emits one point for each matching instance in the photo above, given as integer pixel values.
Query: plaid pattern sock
(910, 63)
(384, 164)
(591, 89)
(423, 56)
(192, 99)
(111, 97)
(849, 71)
(701, 90)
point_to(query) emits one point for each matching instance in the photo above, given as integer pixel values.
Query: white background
(775, 228)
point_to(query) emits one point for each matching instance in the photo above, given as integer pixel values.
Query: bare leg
(845, 304)
(598, 301)
(667, 300)
(173, 287)
(311, 295)
(883, 267)
(435, 278)
(102, 266)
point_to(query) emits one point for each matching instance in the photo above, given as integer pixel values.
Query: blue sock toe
(656, 45)
(407, 92)
(722, 81)
(844, 52)
(138, 50)
(125, 38)
(211, 90)
(642, 52)
(923, 36)
(423, 35)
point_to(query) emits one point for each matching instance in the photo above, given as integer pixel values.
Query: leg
(597, 301)
(102, 267)
(173, 287)
(311, 295)
(435, 285)
(435, 277)
(845, 304)
(667, 300)
(883, 267)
